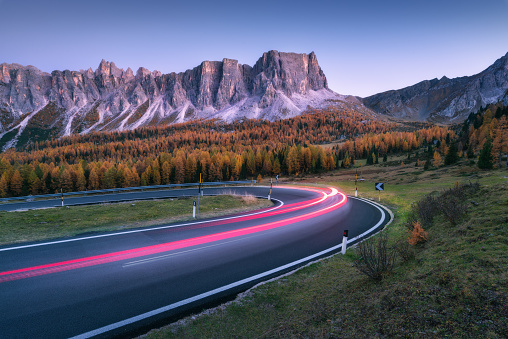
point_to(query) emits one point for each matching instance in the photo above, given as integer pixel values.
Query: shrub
(376, 258)
(404, 250)
(453, 208)
(426, 209)
(452, 202)
(423, 210)
(417, 235)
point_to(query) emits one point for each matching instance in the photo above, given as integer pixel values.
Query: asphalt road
(113, 284)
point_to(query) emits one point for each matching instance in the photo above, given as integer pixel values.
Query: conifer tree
(485, 161)
(451, 156)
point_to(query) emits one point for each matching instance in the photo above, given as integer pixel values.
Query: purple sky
(364, 47)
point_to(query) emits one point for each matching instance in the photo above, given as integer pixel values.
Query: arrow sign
(380, 186)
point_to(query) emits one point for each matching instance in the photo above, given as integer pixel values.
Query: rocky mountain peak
(280, 85)
(142, 72)
(109, 68)
(129, 73)
(289, 72)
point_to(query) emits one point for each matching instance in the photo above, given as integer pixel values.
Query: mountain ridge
(35, 104)
(444, 100)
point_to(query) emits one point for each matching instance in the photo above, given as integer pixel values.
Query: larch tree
(438, 160)
(16, 183)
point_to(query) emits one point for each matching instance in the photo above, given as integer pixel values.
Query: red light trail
(171, 246)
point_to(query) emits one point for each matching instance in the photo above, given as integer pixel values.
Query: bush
(417, 235)
(405, 251)
(426, 209)
(453, 208)
(423, 210)
(452, 202)
(376, 258)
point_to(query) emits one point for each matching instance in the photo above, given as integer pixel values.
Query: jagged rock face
(444, 100)
(110, 98)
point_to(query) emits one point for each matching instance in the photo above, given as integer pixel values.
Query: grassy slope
(63, 222)
(456, 286)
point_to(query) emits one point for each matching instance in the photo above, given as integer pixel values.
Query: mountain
(444, 100)
(35, 105)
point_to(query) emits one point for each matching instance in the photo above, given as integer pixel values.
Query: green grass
(455, 287)
(51, 223)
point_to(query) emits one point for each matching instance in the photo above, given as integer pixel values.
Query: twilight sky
(363, 46)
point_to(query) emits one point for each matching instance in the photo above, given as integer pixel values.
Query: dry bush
(249, 199)
(452, 204)
(376, 258)
(426, 209)
(417, 235)
(405, 251)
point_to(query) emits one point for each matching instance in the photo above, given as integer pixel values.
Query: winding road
(116, 284)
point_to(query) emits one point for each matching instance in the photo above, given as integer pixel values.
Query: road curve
(112, 284)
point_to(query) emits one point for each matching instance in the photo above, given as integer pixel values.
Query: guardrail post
(344, 242)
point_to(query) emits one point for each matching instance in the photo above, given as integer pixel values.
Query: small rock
(133, 204)
(474, 203)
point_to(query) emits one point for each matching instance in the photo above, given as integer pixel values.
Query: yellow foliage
(417, 235)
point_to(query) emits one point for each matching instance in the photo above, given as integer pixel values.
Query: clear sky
(363, 46)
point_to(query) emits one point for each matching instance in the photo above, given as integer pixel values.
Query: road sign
(380, 186)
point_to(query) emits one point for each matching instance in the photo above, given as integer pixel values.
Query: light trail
(160, 248)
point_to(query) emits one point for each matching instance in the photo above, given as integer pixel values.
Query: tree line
(179, 153)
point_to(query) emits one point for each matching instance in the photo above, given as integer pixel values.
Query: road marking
(225, 287)
(29, 272)
(141, 230)
(161, 257)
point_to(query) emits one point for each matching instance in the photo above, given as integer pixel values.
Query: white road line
(225, 287)
(142, 230)
(165, 256)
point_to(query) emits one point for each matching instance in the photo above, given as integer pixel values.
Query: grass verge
(456, 285)
(51, 223)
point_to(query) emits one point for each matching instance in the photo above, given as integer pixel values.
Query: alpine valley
(35, 105)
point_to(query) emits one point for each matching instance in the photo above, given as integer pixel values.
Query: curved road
(112, 284)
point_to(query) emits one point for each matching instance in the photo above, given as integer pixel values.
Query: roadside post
(194, 209)
(271, 186)
(344, 242)
(61, 191)
(356, 187)
(380, 187)
(200, 191)
(200, 182)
